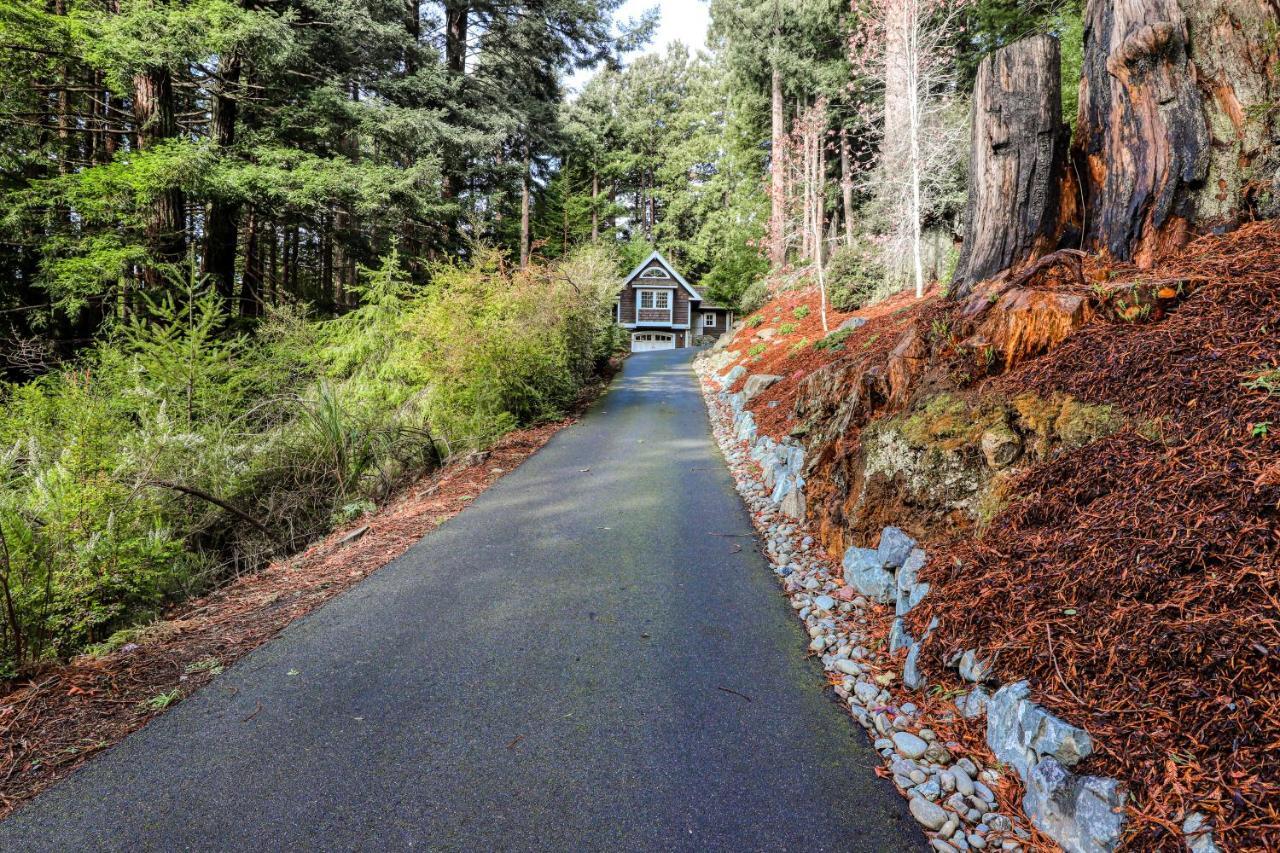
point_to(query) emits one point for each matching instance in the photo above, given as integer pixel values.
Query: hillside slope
(1093, 457)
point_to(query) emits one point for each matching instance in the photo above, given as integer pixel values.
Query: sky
(680, 20)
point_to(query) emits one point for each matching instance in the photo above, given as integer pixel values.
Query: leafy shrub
(855, 276)
(754, 322)
(834, 341)
(756, 350)
(786, 328)
(800, 312)
(174, 453)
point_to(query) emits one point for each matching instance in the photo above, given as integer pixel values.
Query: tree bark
(413, 27)
(251, 281)
(524, 214)
(223, 217)
(595, 207)
(153, 113)
(1019, 145)
(1176, 128)
(846, 185)
(456, 16)
(777, 174)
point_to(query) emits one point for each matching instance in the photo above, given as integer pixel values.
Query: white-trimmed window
(658, 300)
(708, 319)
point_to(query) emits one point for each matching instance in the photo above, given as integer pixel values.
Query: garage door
(645, 341)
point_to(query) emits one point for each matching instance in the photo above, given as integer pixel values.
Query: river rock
(964, 785)
(929, 815)
(909, 746)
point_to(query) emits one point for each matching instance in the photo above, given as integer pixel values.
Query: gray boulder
(733, 376)
(1083, 814)
(865, 572)
(973, 669)
(910, 569)
(724, 340)
(911, 674)
(973, 704)
(895, 547)
(1021, 733)
(852, 323)
(898, 636)
(758, 383)
(793, 505)
(766, 334)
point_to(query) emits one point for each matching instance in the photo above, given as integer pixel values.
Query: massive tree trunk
(1176, 120)
(778, 178)
(1018, 145)
(154, 116)
(223, 217)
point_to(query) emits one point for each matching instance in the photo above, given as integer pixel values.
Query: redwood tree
(1177, 124)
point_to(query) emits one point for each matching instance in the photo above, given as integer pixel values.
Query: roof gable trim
(675, 274)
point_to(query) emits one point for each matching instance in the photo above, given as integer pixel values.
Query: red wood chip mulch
(1136, 580)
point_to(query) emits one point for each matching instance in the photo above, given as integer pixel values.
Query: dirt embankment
(1093, 457)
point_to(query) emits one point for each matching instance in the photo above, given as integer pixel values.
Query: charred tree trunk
(154, 115)
(1019, 147)
(223, 218)
(1176, 120)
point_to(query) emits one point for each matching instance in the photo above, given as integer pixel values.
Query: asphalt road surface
(593, 656)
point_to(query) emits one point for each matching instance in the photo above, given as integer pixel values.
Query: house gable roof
(675, 274)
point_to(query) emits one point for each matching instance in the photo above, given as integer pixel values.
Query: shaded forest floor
(1135, 580)
(57, 719)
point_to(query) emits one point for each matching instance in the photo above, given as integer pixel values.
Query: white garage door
(645, 341)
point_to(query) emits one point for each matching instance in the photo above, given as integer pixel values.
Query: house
(663, 311)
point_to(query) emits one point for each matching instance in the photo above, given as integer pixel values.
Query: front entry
(646, 341)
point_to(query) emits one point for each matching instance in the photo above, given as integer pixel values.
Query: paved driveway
(573, 663)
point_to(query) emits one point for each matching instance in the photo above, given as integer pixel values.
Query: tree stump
(1019, 147)
(1177, 130)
